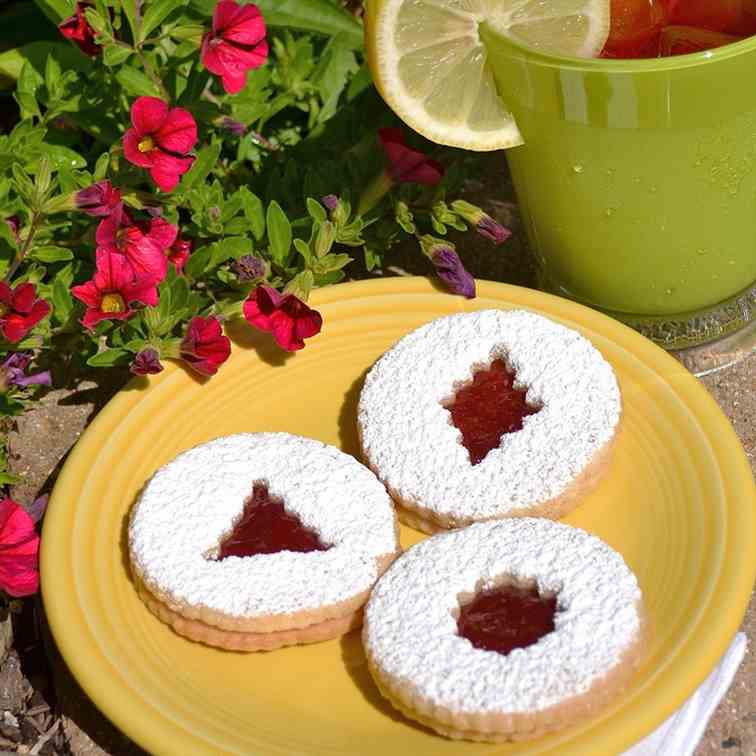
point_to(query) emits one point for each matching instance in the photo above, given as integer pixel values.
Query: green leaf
(320, 16)
(253, 211)
(156, 13)
(330, 263)
(56, 10)
(136, 83)
(49, 253)
(316, 210)
(107, 358)
(24, 185)
(359, 83)
(52, 76)
(98, 22)
(101, 167)
(200, 170)
(279, 233)
(62, 157)
(198, 261)
(304, 249)
(10, 407)
(62, 300)
(35, 53)
(114, 55)
(336, 65)
(129, 9)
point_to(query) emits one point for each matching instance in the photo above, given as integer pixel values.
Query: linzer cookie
(256, 541)
(487, 415)
(504, 630)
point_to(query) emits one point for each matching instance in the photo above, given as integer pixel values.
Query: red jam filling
(508, 617)
(487, 408)
(266, 527)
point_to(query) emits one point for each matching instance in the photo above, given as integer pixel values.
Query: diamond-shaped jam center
(487, 407)
(265, 527)
(508, 617)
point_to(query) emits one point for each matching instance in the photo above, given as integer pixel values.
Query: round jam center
(487, 408)
(508, 617)
(266, 527)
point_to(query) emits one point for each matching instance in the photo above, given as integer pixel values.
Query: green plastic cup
(637, 183)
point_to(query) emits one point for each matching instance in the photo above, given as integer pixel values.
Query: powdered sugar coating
(191, 503)
(411, 628)
(409, 440)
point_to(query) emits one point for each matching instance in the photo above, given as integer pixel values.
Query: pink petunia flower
(204, 347)
(160, 140)
(20, 310)
(286, 317)
(178, 253)
(235, 44)
(404, 165)
(19, 551)
(77, 29)
(112, 289)
(99, 200)
(144, 244)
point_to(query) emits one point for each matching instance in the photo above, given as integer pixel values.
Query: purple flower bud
(249, 268)
(154, 211)
(330, 201)
(450, 270)
(100, 199)
(14, 223)
(492, 230)
(235, 127)
(147, 362)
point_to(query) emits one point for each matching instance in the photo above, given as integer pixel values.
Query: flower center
(146, 145)
(4, 309)
(215, 41)
(113, 303)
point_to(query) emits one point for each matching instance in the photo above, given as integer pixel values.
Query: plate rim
(59, 590)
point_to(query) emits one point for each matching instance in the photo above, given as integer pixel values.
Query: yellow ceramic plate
(678, 503)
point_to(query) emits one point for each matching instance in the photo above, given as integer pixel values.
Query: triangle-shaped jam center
(487, 407)
(265, 527)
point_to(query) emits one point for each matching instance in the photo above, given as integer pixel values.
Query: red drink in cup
(658, 28)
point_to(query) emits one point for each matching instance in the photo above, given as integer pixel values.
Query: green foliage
(304, 126)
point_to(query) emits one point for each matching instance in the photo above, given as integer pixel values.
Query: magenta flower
(204, 347)
(20, 310)
(147, 362)
(144, 244)
(160, 140)
(77, 29)
(19, 551)
(404, 165)
(286, 317)
(178, 253)
(112, 289)
(100, 200)
(14, 224)
(235, 44)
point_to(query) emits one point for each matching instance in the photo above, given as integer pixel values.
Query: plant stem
(148, 69)
(36, 218)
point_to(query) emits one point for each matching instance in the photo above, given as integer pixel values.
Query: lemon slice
(431, 67)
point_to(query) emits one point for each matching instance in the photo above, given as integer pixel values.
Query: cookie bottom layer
(503, 727)
(430, 522)
(231, 640)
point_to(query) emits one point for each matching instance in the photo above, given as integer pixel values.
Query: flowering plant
(173, 164)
